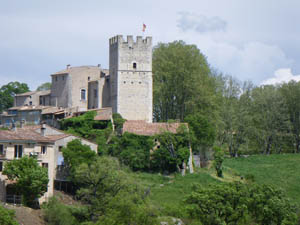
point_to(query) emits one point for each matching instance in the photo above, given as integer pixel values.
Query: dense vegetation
(7, 93)
(7, 217)
(31, 179)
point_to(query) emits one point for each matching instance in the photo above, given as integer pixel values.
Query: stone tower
(130, 68)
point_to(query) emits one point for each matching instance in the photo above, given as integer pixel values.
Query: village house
(42, 142)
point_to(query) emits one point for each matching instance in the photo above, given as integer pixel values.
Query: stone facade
(126, 87)
(130, 66)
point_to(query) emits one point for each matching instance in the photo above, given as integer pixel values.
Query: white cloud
(283, 75)
(200, 23)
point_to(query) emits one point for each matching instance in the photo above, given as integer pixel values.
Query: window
(55, 78)
(18, 151)
(63, 77)
(30, 103)
(83, 94)
(41, 100)
(134, 65)
(1, 166)
(43, 150)
(45, 165)
(1, 149)
(60, 148)
(89, 78)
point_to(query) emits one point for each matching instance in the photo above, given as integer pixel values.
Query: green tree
(172, 151)
(7, 217)
(111, 195)
(237, 203)
(75, 154)
(182, 82)
(291, 94)
(8, 91)
(270, 118)
(132, 150)
(203, 133)
(218, 160)
(31, 179)
(44, 87)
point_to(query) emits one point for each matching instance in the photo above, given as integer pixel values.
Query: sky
(252, 40)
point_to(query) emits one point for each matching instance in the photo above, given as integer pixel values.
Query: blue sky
(255, 40)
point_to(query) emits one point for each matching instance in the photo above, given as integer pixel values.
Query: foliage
(8, 91)
(44, 87)
(132, 150)
(32, 179)
(111, 196)
(118, 121)
(56, 213)
(75, 154)
(86, 127)
(7, 217)
(218, 160)
(182, 82)
(237, 203)
(291, 95)
(171, 152)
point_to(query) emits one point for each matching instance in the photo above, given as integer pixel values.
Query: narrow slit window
(83, 94)
(134, 65)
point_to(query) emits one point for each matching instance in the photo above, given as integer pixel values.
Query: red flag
(144, 27)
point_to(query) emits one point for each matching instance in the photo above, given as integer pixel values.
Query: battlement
(130, 41)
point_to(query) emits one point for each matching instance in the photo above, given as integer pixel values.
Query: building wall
(93, 94)
(27, 100)
(60, 94)
(80, 76)
(28, 149)
(131, 77)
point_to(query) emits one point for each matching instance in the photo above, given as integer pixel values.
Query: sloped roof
(141, 127)
(22, 135)
(79, 68)
(47, 92)
(103, 114)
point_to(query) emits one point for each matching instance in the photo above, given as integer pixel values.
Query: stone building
(126, 87)
(130, 66)
(44, 143)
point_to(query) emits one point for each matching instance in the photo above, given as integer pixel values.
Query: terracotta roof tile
(141, 127)
(103, 114)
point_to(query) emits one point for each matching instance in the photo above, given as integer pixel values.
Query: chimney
(43, 129)
(22, 122)
(68, 66)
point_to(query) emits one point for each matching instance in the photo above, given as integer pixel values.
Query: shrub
(237, 203)
(7, 217)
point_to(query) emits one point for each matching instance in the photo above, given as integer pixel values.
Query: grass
(168, 192)
(281, 171)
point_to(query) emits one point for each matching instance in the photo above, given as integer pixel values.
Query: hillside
(167, 193)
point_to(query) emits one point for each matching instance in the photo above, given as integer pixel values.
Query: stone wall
(131, 77)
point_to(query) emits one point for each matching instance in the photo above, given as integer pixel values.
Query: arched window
(134, 65)
(83, 94)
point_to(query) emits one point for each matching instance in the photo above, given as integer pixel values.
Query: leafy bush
(237, 203)
(111, 195)
(32, 179)
(132, 150)
(7, 217)
(76, 153)
(172, 152)
(218, 160)
(56, 213)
